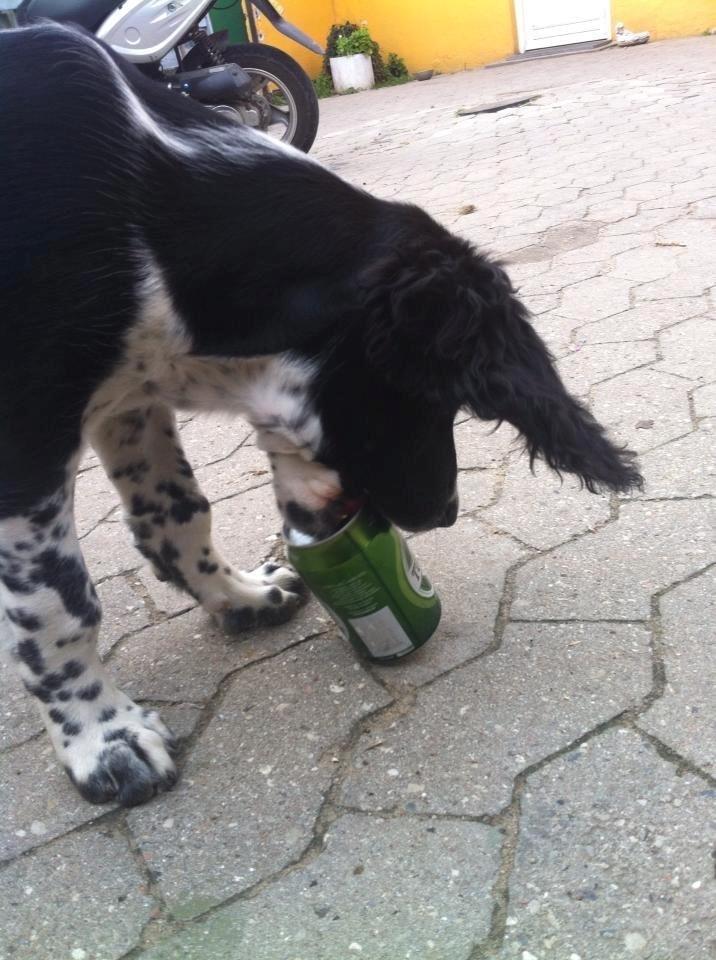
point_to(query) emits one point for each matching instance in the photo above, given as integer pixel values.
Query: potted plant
(352, 68)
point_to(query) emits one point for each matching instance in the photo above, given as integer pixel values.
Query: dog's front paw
(268, 596)
(273, 574)
(124, 753)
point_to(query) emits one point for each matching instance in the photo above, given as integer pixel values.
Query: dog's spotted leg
(170, 520)
(110, 747)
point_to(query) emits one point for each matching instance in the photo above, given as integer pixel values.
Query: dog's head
(428, 327)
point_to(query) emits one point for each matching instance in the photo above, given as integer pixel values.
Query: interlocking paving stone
(690, 231)
(211, 437)
(645, 263)
(695, 190)
(689, 349)
(595, 299)
(683, 468)
(642, 222)
(124, 611)
(467, 565)
(614, 859)
(647, 191)
(684, 283)
(642, 322)
(684, 716)
(19, 717)
(244, 470)
(471, 732)
(613, 573)
(543, 511)
(705, 400)
(81, 897)
(90, 461)
(166, 599)
(557, 241)
(561, 276)
(186, 658)
(556, 331)
(597, 362)
(254, 783)
(521, 270)
(643, 408)
(613, 211)
(542, 304)
(476, 488)
(379, 888)
(479, 444)
(181, 718)
(247, 527)
(704, 209)
(486, 234)
(108, 550)
(37, 799)
(95, 497)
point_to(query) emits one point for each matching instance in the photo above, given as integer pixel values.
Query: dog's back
(63, 146)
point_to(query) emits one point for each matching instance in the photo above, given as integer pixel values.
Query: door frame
(519, 8)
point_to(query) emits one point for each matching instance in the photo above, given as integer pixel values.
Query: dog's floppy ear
(423, 310)
(512, 377)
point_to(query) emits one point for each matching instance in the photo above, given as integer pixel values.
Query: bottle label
(382, 634)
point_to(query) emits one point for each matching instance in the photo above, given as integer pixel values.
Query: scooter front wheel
(283, 102)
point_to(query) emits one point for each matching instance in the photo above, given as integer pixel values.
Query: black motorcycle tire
(262, 57)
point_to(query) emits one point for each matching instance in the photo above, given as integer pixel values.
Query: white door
(551, 23)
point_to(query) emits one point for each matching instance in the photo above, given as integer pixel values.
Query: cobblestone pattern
(538, 782)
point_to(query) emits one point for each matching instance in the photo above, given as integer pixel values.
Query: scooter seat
(87, 13)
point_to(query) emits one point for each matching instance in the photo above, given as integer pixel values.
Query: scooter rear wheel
(283, 95)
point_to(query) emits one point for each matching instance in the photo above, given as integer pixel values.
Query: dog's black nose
(450, 515)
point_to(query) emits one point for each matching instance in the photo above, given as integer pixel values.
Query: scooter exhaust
(219, 84)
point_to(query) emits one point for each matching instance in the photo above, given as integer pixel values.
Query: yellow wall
(434, 34)
(427, 34)
(464, 33)
(665, 19)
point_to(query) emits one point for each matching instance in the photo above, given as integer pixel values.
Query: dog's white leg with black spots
(110, 747)
(170, 519)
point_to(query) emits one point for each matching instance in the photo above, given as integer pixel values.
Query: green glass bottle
(368, 580)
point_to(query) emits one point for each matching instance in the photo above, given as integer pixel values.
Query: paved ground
(538, 783)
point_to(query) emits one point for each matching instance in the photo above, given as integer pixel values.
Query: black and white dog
(152, 257)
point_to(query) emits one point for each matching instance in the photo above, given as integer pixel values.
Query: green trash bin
(230, 18)
(7, 13)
